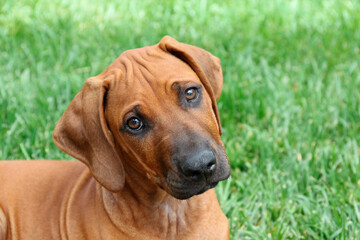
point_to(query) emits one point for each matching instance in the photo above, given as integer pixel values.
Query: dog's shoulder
(34, 175)
(27, 168)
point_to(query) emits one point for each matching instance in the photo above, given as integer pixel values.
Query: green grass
(290, 106)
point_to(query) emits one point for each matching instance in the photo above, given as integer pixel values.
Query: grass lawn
(290, 106)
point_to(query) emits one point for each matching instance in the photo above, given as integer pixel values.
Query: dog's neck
(141, 203)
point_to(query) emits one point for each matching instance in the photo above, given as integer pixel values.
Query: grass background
(290, 106)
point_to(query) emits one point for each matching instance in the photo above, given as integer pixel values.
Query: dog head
(154, 110)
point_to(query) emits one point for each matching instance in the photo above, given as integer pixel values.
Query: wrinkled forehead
(154, 66)
(147, 71)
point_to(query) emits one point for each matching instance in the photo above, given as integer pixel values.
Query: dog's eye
(134, 123)
(191, 94)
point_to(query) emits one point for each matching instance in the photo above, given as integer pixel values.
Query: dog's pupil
(190, 94)
(134, 123)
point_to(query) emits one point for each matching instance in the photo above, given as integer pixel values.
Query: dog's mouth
(207, 187)
(185, 189)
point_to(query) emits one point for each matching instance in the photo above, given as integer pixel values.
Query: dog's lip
(212, 185)
(207, 187)
(194, 190)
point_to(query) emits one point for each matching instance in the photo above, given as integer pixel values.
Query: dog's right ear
(82, 132)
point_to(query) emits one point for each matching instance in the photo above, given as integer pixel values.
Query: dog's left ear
(82, 132)
(204, 64)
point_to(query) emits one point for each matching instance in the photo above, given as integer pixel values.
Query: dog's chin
(187, 191)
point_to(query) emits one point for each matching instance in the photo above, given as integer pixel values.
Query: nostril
(211, 166)
(191, 172)
(195, 175)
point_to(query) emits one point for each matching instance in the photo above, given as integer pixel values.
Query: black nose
(199, 165)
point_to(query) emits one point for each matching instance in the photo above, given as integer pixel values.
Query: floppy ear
(204, 64)
(82, 132)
